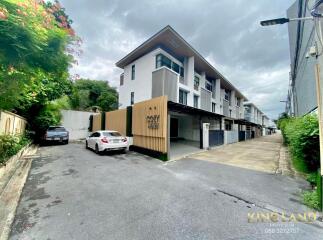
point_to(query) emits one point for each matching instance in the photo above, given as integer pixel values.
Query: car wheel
(124, 151)
(97, 149)
(86, 145)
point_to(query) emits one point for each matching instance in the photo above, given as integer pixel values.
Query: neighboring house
(301, 97)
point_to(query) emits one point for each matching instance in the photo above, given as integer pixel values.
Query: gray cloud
(255, 59)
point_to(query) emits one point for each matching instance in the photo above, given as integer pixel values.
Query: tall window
(196, 101)
(227, 95)
(208, 85)
(213, 107)
(133, 72)
(132, 98)
(238, 102)
(196, 83)
(121, 79)
(182, 97)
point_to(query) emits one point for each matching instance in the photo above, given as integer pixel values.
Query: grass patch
(311, 199)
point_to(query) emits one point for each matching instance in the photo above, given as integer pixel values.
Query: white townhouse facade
(167, 65)
(197, 93)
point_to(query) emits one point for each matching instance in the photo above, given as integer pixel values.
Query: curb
(12, 190)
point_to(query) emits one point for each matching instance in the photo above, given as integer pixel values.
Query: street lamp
(316, 16)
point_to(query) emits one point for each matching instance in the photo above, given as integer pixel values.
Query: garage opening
(184, 134)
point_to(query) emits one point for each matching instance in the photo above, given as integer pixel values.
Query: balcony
(165, 83)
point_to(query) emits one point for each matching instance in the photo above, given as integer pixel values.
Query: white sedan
(101, 141)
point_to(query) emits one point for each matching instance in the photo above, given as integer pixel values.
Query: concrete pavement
(260, 154)
(72, 193)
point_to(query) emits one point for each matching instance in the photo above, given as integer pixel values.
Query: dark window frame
(133, 72)
(182, 97)
(196, 101)
(132, 98)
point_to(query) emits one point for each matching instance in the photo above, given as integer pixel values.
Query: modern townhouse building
(174, 100)
(301, 97)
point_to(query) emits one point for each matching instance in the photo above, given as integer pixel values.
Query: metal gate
(242, 136)
(216, 137)
(248, 135)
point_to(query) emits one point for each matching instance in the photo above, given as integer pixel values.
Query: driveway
(260, 154)
(72, 193)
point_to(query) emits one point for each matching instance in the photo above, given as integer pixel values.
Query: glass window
(196, 101)
(111, 134)
(159, 58)
(196, 82)
(181, 71)
(166, 62)
(182, 97)
(132, 98)
(121, 79)
(227, 95)
(208, 85)
(133, 72)
(162, 60)
(175, 67)
(213, 107)
(56, 129)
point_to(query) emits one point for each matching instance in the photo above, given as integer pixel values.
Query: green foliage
(302, 137)
(87, 94)
(48, 115)
(311, 199)
(11, 145)
(37, 45)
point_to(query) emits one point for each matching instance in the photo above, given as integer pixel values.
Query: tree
(89, 93)
(37, 45)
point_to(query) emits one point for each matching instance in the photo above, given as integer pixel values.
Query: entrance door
(173, 127)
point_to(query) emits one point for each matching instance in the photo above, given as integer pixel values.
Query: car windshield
(111, 134)
(56, 129)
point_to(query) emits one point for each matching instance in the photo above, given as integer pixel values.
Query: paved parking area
(72, 193)
(261, 154)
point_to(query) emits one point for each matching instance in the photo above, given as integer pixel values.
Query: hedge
(301, 134)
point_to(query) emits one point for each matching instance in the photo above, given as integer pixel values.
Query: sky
(227, 33)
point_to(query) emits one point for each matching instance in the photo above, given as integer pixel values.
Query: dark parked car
(56, 134)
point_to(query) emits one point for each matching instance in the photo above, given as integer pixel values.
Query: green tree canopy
(93, 93)
(37, 45)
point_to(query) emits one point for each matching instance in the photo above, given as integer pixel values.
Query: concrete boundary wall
(11, 123)
(76, 123)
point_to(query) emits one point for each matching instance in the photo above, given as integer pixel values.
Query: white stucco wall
(76, 122)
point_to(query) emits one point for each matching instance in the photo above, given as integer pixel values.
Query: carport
(185, 129)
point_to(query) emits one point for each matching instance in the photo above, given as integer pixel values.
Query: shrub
(11, 145)
(302, 137)
(311, 199)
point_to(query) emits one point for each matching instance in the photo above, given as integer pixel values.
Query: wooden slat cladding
(116, 120)
(149, 124)
(96, 122)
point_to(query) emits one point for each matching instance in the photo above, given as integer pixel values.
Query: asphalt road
(72, 193)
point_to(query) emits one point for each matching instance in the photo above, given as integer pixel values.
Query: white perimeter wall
(76, 122)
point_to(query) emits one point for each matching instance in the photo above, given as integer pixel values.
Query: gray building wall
(165, 82)
(301, 38)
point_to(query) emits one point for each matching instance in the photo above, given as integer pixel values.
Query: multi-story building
(197, 93)
(301, 97)
(167, 65)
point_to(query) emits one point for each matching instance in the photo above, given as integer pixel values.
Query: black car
(56, 134)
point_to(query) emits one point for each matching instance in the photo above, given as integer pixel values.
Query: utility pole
(316, 17)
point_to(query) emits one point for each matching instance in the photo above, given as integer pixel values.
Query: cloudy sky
(227, 33)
